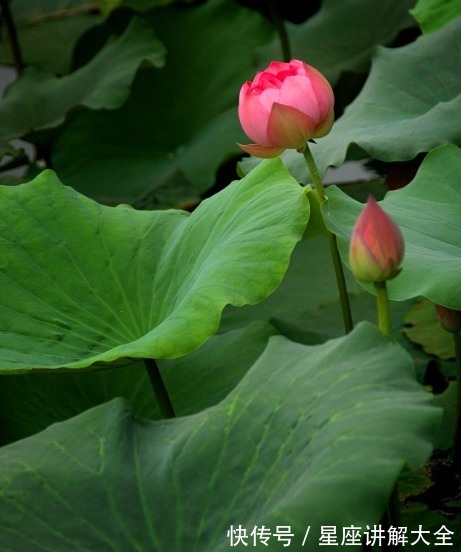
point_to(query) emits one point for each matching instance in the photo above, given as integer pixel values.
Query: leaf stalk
(160, 391)
(280, 27)
(12, 36)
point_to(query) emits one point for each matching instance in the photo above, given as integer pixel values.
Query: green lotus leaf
(311, 436)
(180, 123)
(402, 111)
(432, 15)
(85, 283)
(194, 382)
(39, 99)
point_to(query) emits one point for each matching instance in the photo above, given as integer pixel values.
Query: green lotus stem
(337, 264)
(12, 36)
(315, 174)
(279, 24)
(382, 302)
(161, 394)
(457, 434)
(392, 515)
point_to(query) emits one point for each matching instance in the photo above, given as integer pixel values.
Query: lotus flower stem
(392, 515)
(382, 302)
(319, 188)
(161, 394)
(457, 434)
(337, 264)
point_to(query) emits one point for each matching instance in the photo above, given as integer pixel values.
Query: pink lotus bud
(450, 319)
(377, 246)
(285, 106)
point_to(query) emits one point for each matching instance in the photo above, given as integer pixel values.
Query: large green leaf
(428, 211)
(407, 105)
(194, 382)
(341, 36)
(311, 436)
(41, 100)
(179, 123)
(434, 14)
(83, 283)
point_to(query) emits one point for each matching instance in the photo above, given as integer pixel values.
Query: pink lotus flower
(286, 105)
(377, 247)
(450, 319)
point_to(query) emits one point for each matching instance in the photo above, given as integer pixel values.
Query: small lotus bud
(377, 246)
(450, 319)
